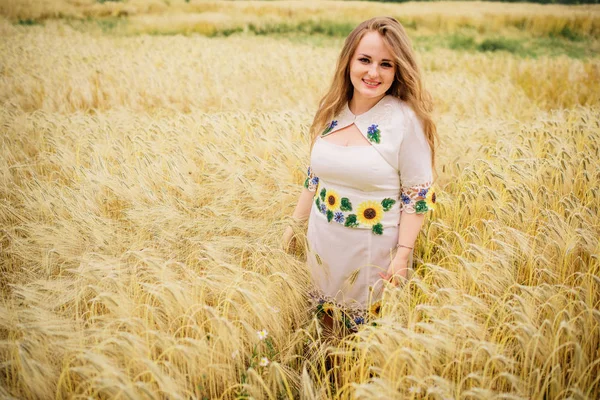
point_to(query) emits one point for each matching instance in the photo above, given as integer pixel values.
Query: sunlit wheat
(145, 182)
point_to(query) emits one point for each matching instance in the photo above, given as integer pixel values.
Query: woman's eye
(363, 60)
(387, 65)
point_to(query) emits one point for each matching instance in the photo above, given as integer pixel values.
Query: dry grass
(144, 186)
(206, 17)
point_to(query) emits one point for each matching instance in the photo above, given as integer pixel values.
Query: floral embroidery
(332, 199)
(430, 199)
(418, 199)
(346, 205)
(387, 204)
(329, 128)
(374, 134)
(351, 221)
(350, 316)
(323, 208)
(375, 309)
(312, 181)
(368, 213)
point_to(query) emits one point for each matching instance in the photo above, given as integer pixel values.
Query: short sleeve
(416, 175)
(312, 181)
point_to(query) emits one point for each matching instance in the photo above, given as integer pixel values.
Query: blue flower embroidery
(423, 192)
(405, 199)
(323, 208)
(374, 134)
(311, 180)
(359, 320)
(339, 217)
(332, 125)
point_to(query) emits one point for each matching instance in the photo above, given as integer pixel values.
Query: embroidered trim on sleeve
(418, 199)
(312, 181)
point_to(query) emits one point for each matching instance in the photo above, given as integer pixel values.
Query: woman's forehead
(373, 45)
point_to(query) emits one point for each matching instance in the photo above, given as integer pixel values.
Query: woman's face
(372, 67)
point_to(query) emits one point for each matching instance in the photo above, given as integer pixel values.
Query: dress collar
(345, 117)
(375, 107)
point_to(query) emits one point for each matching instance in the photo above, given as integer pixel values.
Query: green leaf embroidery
(320, 310)
(351, 221)
(306, 183)
(329, 215)
(421, 207)
(387, 204)
(346, 321)
(375, 137)
(377, 229)
(318, 203)
(346, 205)
(374, 134)
(323, 193)
(329, 128)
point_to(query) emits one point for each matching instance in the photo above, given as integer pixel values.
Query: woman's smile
(371, 84)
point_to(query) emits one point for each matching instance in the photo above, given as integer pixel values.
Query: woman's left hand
(397, 271)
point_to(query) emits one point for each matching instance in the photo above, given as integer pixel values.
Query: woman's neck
(360, 105)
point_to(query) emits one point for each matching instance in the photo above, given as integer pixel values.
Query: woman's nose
(373, 69)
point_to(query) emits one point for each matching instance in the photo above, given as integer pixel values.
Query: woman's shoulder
(400, 106)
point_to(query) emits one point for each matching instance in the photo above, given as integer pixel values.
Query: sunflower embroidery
(375, 308)
(332, 200)
(374, 134)
(370, 213)
(430, 199)
(329, 128)
(325, 307)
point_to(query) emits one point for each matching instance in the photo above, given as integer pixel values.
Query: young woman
(370, 177)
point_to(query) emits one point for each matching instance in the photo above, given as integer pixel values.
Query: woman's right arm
(302, 210)
(299, 215)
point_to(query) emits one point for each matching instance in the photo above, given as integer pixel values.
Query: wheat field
(146, 180)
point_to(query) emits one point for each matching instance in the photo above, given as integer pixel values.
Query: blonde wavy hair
(407, 85)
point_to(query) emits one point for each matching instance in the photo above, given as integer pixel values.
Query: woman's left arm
(410, 226)
(417, 194)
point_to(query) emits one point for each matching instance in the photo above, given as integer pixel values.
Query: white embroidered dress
(360, 195)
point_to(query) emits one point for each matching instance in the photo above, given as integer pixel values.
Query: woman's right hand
(288, 241)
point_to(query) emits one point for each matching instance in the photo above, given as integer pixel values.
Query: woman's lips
(371, 85)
